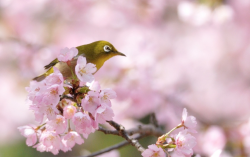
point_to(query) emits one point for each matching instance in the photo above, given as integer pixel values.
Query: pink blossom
(45, 95)
(83, 123)
(67, 54)
(49, 141)
(36, 91)
(50, 111)
(46, 100)
(69, 111)
(106, 95)
(184, 143)
(91, 102)
(52, 95)
(70, 139)
(42, 148)
(103, 114)
(153, 151)
(55, 78)
(38, 114)
(95, 86)
(30, 133)
(47, 91)
(59, 124)
(84, 70)
(212, 139)
(94, 124)
(189, 121)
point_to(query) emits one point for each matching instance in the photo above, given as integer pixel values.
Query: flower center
(49, 110)
(156, 154)
(58, 120)
(82, 71)
(179, 143)
(54, 91)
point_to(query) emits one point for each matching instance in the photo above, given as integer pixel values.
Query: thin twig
(105, 131)
(67, 97)
(141, 129)
(146, 130)
(123, 134)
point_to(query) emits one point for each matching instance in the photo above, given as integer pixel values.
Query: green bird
(97, 53)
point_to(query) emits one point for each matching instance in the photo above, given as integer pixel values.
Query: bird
(96, 52)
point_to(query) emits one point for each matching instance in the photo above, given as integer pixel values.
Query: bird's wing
(51, 64)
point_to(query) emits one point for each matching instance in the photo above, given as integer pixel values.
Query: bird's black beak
(121, 54)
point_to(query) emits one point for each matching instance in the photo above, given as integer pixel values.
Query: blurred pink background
(193, 54)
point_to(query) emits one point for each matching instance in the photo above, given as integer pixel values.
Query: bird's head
(104, 49)
(98, 52)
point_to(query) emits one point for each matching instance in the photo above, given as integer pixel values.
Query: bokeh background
(180, 53)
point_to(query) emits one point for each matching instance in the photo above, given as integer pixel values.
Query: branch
(146, 130)
(122, 133)
(105, 131)
(67, 97)
(141, 131)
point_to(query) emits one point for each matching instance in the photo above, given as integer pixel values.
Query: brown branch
(123, 133)
(142, 130)
(146, 130)
(67, 97)
(105, 131)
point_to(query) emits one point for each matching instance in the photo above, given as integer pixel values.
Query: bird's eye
(107, 48)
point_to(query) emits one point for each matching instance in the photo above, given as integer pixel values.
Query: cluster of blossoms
(182, 144)
(67, 109)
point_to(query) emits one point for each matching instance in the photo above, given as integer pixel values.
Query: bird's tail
(40, 78)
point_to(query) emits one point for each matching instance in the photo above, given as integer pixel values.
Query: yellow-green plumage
(94, 52)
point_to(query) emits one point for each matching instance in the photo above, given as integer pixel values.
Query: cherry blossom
(59, 124)
(36, 91)
(70, 139)
(83, 124)
(42, 148)
(153, 151)
(54, 78)
(38, 114)
(95, 86)
(49, 141)
(106, 95)
(30, 133)
(103, 114)
(67, 54)
(189, 122)
(184, 143)
(91, 102)
(69, 111)
(50, 111)
(212, 139)
(51, 96)
(84, 70)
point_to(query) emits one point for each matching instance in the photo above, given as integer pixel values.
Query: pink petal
(184, 114)
(81, 61)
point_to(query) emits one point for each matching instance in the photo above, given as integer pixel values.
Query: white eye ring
(107, 48)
